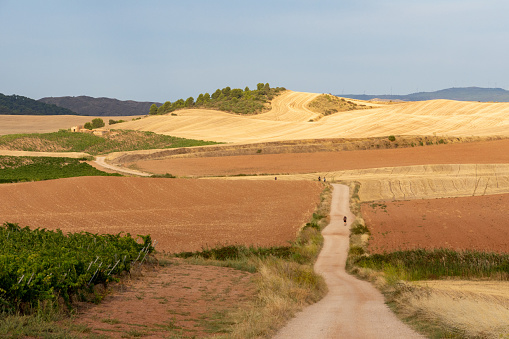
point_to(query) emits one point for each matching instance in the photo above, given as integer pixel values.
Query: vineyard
(16, 169)
(115, 141)
(38, 265)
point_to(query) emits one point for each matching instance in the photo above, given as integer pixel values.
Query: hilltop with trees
(236, 100)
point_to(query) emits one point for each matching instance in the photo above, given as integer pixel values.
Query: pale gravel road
(353, 308)
(100, 161)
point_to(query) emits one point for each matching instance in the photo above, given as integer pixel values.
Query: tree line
(234, 100)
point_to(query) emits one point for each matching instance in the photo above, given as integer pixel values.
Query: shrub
(97, 123)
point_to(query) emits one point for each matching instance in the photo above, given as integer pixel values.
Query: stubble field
(16, 124)
(290, 120)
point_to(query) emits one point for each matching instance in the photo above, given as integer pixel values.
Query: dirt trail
(101, 162)
(352, 308)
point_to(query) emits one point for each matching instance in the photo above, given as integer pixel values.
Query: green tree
(178, 104)
(153, 109)
(166, 107)
(199, 100)
(97, 123)
(226, 91)
(236, 93)
(216, 94)
(189, 102)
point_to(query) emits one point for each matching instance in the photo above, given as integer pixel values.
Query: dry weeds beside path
(352, 308)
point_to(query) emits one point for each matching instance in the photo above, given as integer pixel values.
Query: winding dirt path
(102, 163)
(353, 308)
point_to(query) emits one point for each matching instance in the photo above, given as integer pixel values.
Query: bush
(97, 123)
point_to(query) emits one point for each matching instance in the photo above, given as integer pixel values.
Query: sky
(166, 50)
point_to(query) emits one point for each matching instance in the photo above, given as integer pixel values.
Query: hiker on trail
(344, 219)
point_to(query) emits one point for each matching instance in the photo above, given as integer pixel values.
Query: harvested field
(452, 170)
(486, 152)
(467, 223)
(289, 120)
(477, 309)
(182, 215)
(17, 124)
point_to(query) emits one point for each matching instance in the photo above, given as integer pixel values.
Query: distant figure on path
(344, 219)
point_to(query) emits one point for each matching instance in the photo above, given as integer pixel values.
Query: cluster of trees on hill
(19, 105)
(233, 100)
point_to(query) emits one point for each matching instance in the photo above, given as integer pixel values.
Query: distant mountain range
(460, 94)
(19, 105)
(84, 105)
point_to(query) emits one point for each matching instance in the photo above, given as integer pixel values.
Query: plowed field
(488, 152)
(467, 223)
(182, 215)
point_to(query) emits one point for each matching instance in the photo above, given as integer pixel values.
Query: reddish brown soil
(181, 214)
(183, 301)
(468, 223)
(486, 152)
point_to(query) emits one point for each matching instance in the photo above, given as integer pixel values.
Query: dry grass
(284, 287)
(479, 314)
(327, 104)
(479, 309)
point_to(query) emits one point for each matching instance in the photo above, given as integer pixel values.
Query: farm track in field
(352, 308)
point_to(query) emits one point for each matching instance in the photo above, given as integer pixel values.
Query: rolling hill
(85, 105)
(290, 118)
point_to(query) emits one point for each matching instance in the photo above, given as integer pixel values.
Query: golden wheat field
(290, 118)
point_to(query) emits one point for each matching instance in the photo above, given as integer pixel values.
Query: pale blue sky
(149, 50)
